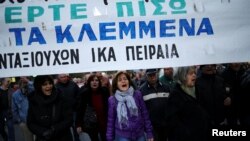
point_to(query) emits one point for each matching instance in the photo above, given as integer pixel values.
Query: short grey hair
(181, 74)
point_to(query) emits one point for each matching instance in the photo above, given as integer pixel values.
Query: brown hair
(115, 80)
(91, 78)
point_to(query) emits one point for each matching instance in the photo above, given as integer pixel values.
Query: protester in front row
(6, 116)
(93, 96)
(69, 89)
(50, 114)
(155, 94)
(20, 106)
(128, 118)
(188, 120)
(211, 94)
(232, 77)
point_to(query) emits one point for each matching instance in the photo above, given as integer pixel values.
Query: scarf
(189, 91)
(125, 100)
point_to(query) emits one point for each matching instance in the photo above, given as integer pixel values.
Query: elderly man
(155, 95)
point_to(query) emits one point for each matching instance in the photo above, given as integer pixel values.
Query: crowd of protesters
(158, 104)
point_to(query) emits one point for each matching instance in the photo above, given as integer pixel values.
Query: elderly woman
(50, 114)
(188, 121)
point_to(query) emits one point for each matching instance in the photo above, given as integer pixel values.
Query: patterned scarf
(125, 100)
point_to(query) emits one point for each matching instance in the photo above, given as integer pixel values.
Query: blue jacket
(137, 125)
(19, 106)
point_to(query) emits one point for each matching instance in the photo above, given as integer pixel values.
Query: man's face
(24, 86)
(235, 66)
(168, 72)
(152, 78)
(6, 82)
(209, 69)
(63, 78)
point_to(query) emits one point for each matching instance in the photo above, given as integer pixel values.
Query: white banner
(52, 37)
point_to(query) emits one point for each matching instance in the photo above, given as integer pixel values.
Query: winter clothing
(70, 90)
(98, 100)
(245, 104)
(167, 81)
(232, 80)
(136, 125)
(156, 100)
(211, 93)
(50, 117)
(125, 100)
(188, 120)
(19, 106)
(6, 115)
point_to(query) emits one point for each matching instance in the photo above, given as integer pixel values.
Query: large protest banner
(71, 36)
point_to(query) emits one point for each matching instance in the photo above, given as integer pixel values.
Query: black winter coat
(232, 80)
(188, 120)
(211, 92)
(70, 90)
(245, 104)
(40, 117)
(156, 105)
(85, 98)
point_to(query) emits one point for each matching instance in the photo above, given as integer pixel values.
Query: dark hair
(39, 81)
(115, 81)
(91, 78)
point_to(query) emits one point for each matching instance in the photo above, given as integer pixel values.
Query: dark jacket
(70, 90)
(5, 103)
(232, 81)
(4, 100)
(85, 98)
(188, 120)
(156, 100)
(40, 116)
(211, 93)
(245, 104)
(137, 125)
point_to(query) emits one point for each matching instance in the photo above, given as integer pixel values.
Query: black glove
(48, 133)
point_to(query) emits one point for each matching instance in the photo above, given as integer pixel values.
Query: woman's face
(191, 78)
(47, 88)
(123, 83)
(94, 84)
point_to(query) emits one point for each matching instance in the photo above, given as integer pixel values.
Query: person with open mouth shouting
(128, 118)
